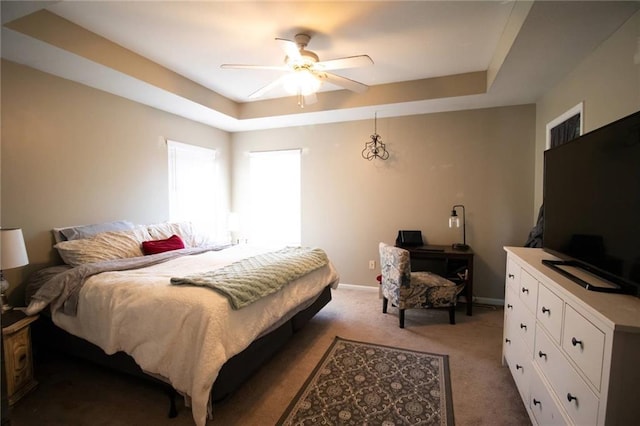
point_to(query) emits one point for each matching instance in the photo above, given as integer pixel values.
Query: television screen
(592, 202)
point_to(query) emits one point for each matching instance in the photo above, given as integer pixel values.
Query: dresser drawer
(584, 343)
(513, 275)
(542, 404)
(578, 401)
(509, 342)
(525, 326)
(549, 312)
(528, 291)
(509, 333)
(510, 303)
(519, 361)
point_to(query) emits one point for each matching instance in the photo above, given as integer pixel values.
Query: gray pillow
(85, 231)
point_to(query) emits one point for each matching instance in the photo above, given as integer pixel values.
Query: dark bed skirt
(48, 338)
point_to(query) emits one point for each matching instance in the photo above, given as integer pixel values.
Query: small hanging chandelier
(375, 148)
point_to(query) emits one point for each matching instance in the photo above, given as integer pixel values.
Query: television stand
(588, 277)
(573, 354)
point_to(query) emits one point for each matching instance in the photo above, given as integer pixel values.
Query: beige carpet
(73, 393)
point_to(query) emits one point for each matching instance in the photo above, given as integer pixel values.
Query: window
(192, 186)
(566, 127)
(274, 217)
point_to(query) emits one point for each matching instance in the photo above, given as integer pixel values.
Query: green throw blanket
(250, 279)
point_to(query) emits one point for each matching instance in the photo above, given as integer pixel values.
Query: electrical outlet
(372, 264)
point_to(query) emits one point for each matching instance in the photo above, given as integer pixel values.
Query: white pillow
(103, 246)
(185, 230)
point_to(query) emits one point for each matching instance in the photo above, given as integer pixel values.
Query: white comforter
(184, 334)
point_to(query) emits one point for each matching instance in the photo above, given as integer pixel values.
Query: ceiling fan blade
(347, 62)
(278, 81)
(347, 83)
(290, 48)
(255, 67)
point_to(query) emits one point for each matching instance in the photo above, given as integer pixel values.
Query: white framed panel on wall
(565, 127)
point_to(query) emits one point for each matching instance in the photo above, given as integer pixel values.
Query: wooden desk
(445, 261)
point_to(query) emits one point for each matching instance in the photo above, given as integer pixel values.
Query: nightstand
(18, 358)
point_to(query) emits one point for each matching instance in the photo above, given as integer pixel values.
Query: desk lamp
(454, 220)
(13, 254)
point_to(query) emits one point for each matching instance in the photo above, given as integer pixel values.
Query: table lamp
(454, 220)
(13, 254)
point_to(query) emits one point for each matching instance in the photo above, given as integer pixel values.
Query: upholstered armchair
(407, 290)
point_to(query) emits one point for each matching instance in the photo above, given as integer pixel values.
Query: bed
(152, 308)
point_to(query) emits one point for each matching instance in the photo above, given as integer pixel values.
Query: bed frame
(48, 338)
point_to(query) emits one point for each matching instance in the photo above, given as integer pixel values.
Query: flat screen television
(591, 219)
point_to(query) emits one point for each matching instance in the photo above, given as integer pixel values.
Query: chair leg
(401, 318)
(385, 303)
(452, 314)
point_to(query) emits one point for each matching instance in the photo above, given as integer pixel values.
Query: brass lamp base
(4, 286)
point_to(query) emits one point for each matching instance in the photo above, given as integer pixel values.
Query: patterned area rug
(359, 383)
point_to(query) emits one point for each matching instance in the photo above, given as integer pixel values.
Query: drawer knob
(576, 342)
(571, 398)
(507, 341)
(519, 367)
(542, 355)
(525, 290)
(546, 310)
(523, 326)
(511, 276)
(509, 306)
(536, 402)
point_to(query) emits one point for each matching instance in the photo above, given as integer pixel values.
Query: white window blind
(275, 198)
(192, 186)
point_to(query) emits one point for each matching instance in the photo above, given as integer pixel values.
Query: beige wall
(481, 158)
(72, 154)
(75, 155)
(76, 138)
(607, 81)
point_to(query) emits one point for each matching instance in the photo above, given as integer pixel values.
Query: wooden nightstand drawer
(18, 358)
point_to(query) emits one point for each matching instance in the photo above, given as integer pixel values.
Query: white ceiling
(407, 40)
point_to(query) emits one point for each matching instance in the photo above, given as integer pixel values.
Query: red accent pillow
(174, 242)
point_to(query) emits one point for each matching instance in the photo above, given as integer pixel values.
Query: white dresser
(574, 354)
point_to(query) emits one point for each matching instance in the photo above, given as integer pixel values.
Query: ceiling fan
(305, 72)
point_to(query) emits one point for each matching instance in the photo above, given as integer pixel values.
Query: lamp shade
(454, 220)
(301, 82)
(13, 252)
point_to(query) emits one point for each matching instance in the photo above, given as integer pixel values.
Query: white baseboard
(486, 301)
(358, 287)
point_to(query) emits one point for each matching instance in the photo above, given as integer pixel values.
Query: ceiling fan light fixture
(301, 82)
(305, 58)
(306, 72)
